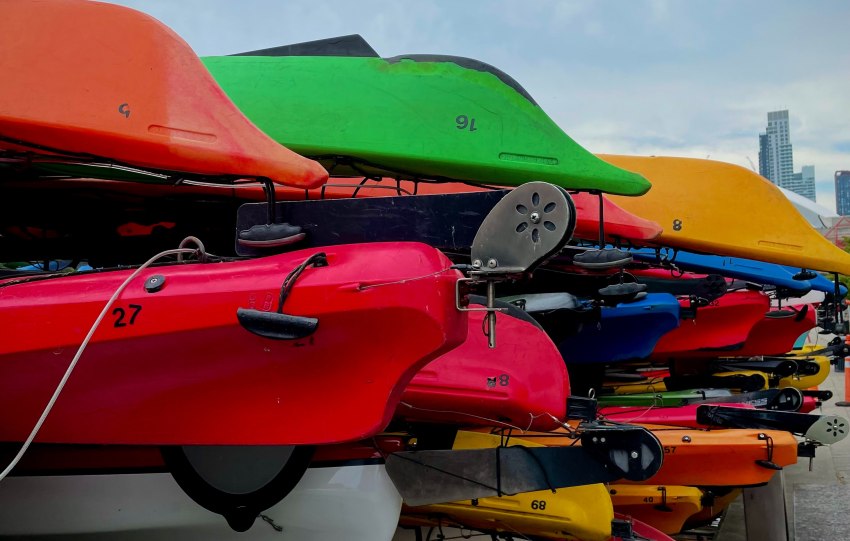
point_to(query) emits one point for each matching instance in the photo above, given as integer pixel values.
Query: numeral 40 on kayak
(464, 122)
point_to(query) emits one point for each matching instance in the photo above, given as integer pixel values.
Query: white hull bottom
(355, 503)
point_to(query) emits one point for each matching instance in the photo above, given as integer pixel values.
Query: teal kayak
(412, 117)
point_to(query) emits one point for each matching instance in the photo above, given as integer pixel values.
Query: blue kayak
(820, 282)
(757, 272)
(626, 331)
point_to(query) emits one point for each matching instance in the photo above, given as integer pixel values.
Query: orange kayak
(720, 208)
(123, 88)
(694, 457)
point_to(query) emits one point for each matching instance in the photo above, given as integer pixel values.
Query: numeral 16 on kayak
(464, 121)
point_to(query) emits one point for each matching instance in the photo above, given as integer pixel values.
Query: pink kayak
(523, 382)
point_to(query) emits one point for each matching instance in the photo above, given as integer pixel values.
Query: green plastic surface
(411, 119)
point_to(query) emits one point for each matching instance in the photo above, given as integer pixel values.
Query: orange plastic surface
(720, 208)
(95, 79)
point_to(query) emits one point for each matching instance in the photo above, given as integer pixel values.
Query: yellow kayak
(808, 381)
(657, 385)
(721, 208)
(583, 512)
(665, 508)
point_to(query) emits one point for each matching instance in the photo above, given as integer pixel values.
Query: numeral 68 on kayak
(538, 504)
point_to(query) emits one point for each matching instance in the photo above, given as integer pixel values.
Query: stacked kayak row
(240, 291)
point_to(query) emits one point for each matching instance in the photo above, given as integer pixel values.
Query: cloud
(690, 78)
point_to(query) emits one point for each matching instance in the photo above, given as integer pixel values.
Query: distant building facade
(776, 156)
(842, 193)
(803, 182)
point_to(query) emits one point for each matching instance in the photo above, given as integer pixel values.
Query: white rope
(79, 353)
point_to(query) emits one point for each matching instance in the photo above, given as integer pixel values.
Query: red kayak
(523, 382)
(123, 88)
(641, 530)
(685, 416)
(776, 336)
(718, 329)
(173, 364)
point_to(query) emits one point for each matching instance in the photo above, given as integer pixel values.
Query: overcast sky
(683, 78)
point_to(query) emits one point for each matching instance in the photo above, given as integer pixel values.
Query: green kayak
(412, 117)
(666, 398)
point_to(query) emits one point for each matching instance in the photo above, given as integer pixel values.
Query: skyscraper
(776, 159)
(803, 182)
(842, 192)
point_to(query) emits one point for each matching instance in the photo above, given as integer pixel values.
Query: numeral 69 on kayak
(464, 122)
(538, 504)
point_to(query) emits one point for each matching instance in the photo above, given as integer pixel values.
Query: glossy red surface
(777, 336)
(723, 326)
(669, 416)
(518, 382)
(185, 372)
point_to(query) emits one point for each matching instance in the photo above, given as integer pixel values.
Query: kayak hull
(575, 513)
(145, 100)
(719, 208)
(152, 505)
(174, 366)
(439, 118)
(520, 382)
(665, 508)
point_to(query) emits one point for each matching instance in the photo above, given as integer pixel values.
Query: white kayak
(355, 503)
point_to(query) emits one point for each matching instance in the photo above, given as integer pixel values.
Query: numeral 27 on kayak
(120, 313)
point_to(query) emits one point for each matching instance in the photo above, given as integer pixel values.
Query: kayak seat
(610, 258)
(270, 235)
(543, 302)
(619, 293)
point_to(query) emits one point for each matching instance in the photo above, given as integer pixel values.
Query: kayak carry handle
(276, 326)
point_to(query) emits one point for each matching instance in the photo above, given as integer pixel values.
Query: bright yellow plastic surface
(648, 503)
(721, 208)
(807, 382)
(583, 512)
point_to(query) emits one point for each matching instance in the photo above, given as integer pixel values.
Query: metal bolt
(476, 264)
(492, 263)
(535, 217)
(595, 439)
(686, 439)
(634, 454)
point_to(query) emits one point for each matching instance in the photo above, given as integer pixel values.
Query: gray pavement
(818, 501)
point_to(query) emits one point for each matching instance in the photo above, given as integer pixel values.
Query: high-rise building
(803, 182)
(776, 157)
(842, 193)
